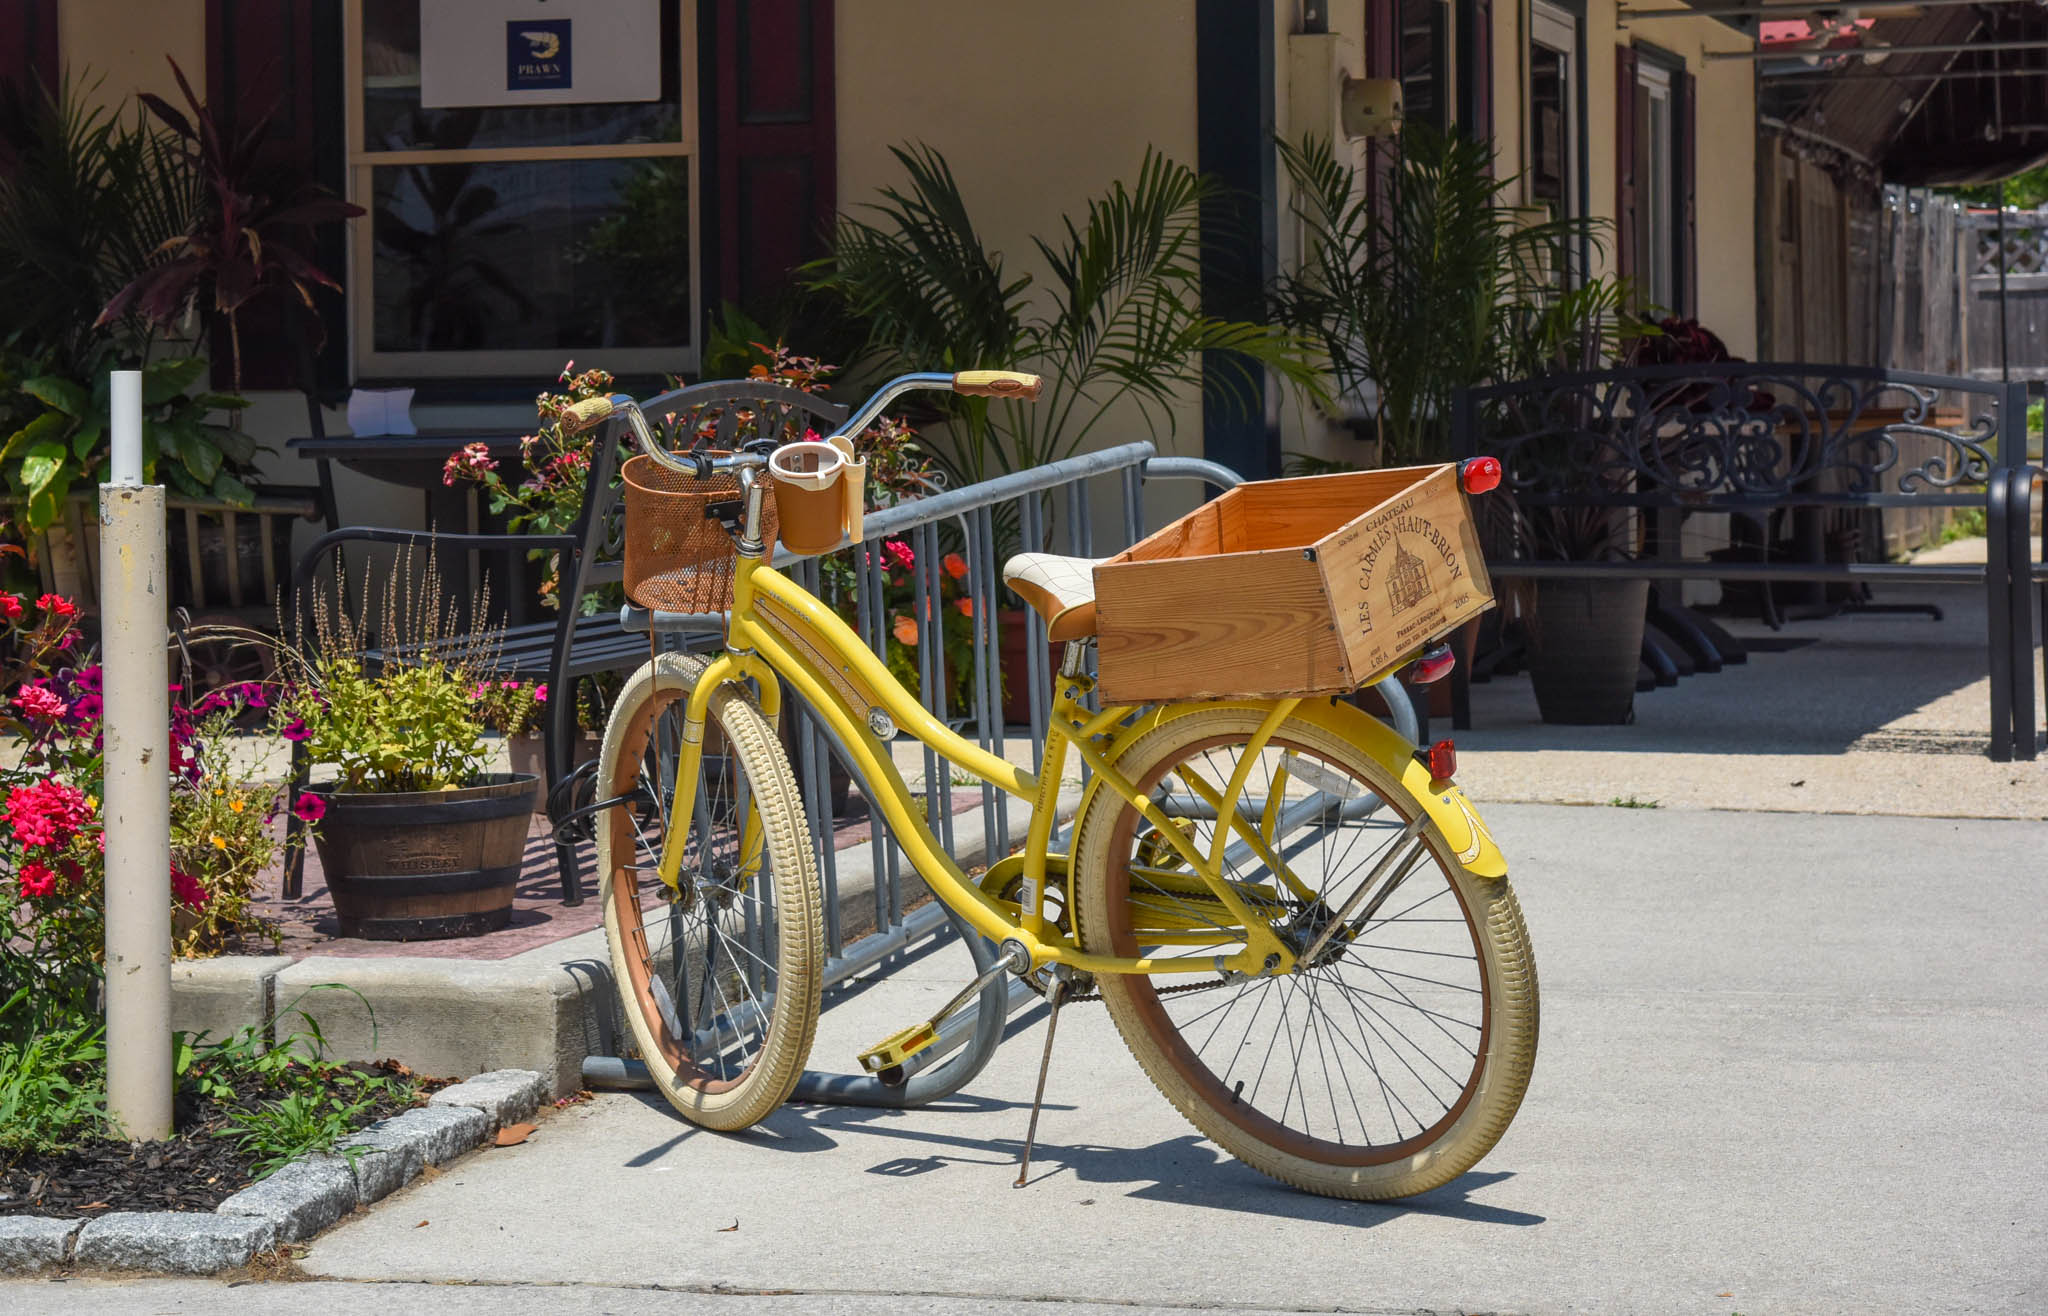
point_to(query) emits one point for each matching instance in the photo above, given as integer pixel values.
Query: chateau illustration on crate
(1278, 588)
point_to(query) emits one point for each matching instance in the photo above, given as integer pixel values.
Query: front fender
(1464, 834)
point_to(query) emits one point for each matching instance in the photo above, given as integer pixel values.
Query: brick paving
(308, 925)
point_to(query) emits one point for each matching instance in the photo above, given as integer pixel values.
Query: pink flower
(540, 694)
(310, 808)
(187, 890)
(899, 552)
(40, 702)
(472, 463)
(37, 880)
(46, 813)
(295, 730)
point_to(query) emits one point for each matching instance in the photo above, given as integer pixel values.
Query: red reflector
(1443, 761)
(1479, 474)
(1434, 665)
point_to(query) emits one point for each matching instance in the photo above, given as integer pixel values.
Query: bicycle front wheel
(1394, 1056)
(719, 980)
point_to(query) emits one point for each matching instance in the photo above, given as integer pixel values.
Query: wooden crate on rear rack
(1309, 586)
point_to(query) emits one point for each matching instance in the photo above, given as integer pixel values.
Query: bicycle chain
(1157, 991)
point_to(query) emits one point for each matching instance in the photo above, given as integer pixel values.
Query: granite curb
(290, 1206)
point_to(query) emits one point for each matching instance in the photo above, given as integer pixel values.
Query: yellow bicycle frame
(780, 632)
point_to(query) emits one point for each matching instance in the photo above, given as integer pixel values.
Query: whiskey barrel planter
(424, 865)
(1589, 640)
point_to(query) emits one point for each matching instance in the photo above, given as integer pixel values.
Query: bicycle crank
(892, 1051)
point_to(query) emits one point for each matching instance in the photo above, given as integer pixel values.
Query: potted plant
(512, 710)
(416, 838)
(90, 203)
(1586, 632)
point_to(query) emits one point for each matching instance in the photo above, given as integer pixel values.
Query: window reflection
(531, 254)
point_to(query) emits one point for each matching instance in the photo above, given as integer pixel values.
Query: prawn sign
(556, 52)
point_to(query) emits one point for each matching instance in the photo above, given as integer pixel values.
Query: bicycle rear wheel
(719, 981)
(1395, 1057)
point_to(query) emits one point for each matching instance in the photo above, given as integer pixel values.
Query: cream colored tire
(725, 1037)
(1434, 1000)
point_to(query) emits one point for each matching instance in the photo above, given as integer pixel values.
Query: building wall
(123, 43)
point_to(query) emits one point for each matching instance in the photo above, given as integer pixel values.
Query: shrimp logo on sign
(537, 54)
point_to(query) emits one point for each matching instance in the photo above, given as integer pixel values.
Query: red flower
(46, 813)
(10, 606)
(40, 703)
(58, 604)
(899, 552)
(187, 890)
(37, 880)
(310, 808)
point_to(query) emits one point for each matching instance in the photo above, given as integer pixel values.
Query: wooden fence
(2020, 343)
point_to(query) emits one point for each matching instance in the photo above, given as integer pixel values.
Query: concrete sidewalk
(1789, 1063)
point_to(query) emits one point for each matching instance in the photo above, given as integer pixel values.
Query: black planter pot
(1589, 641)
(424, 865)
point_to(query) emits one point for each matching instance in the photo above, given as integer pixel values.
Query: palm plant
(1119, 320)
(1436, 286)
(243, 241)
(91, 197)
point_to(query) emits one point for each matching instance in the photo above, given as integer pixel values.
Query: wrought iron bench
(1759, 442)
(572, 646)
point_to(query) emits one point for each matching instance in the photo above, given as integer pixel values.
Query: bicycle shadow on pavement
(1186, 1170)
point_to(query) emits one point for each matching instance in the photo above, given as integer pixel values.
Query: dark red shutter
(1382, 60)
(1476, 34)
(1688, 193)
(28, 53)
(28, 43)
(774, 144)
(282, 58)
(1626, 260)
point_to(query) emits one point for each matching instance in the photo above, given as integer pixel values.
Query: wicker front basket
(678, 559)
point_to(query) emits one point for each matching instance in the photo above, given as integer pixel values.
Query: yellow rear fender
(1465, 835)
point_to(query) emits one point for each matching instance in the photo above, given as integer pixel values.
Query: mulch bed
(193, 1170)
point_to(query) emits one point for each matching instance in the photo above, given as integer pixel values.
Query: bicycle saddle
(1061, 589)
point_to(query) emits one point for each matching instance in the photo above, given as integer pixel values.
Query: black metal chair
(572, 647)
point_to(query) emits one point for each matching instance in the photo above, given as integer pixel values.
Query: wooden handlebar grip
(584, 414)
(998, 384)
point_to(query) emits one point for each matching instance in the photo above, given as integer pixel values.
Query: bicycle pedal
(899, 1046)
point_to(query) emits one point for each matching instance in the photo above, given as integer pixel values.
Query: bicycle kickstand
(1054, 995)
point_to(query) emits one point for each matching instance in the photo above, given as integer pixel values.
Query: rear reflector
(1434, 665)
(1479, 474)
(1442, 761)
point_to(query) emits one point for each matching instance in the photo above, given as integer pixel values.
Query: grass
(1968, 523)
(277, 1100)
(1631, 802)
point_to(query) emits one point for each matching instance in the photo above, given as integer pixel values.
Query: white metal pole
(138, 805)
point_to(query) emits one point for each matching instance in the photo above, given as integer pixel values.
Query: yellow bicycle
(1298, 923)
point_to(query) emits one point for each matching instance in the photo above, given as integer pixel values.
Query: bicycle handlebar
(968, 383)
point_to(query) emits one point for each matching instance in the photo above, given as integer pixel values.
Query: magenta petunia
(310, 808)
(187, 890)
(295, 730)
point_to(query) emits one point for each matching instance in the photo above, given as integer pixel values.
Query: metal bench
(1760, 442)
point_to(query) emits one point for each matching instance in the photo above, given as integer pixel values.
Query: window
(1425, 61)
(1553, 110)
(1656, 165)
(507, 239)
